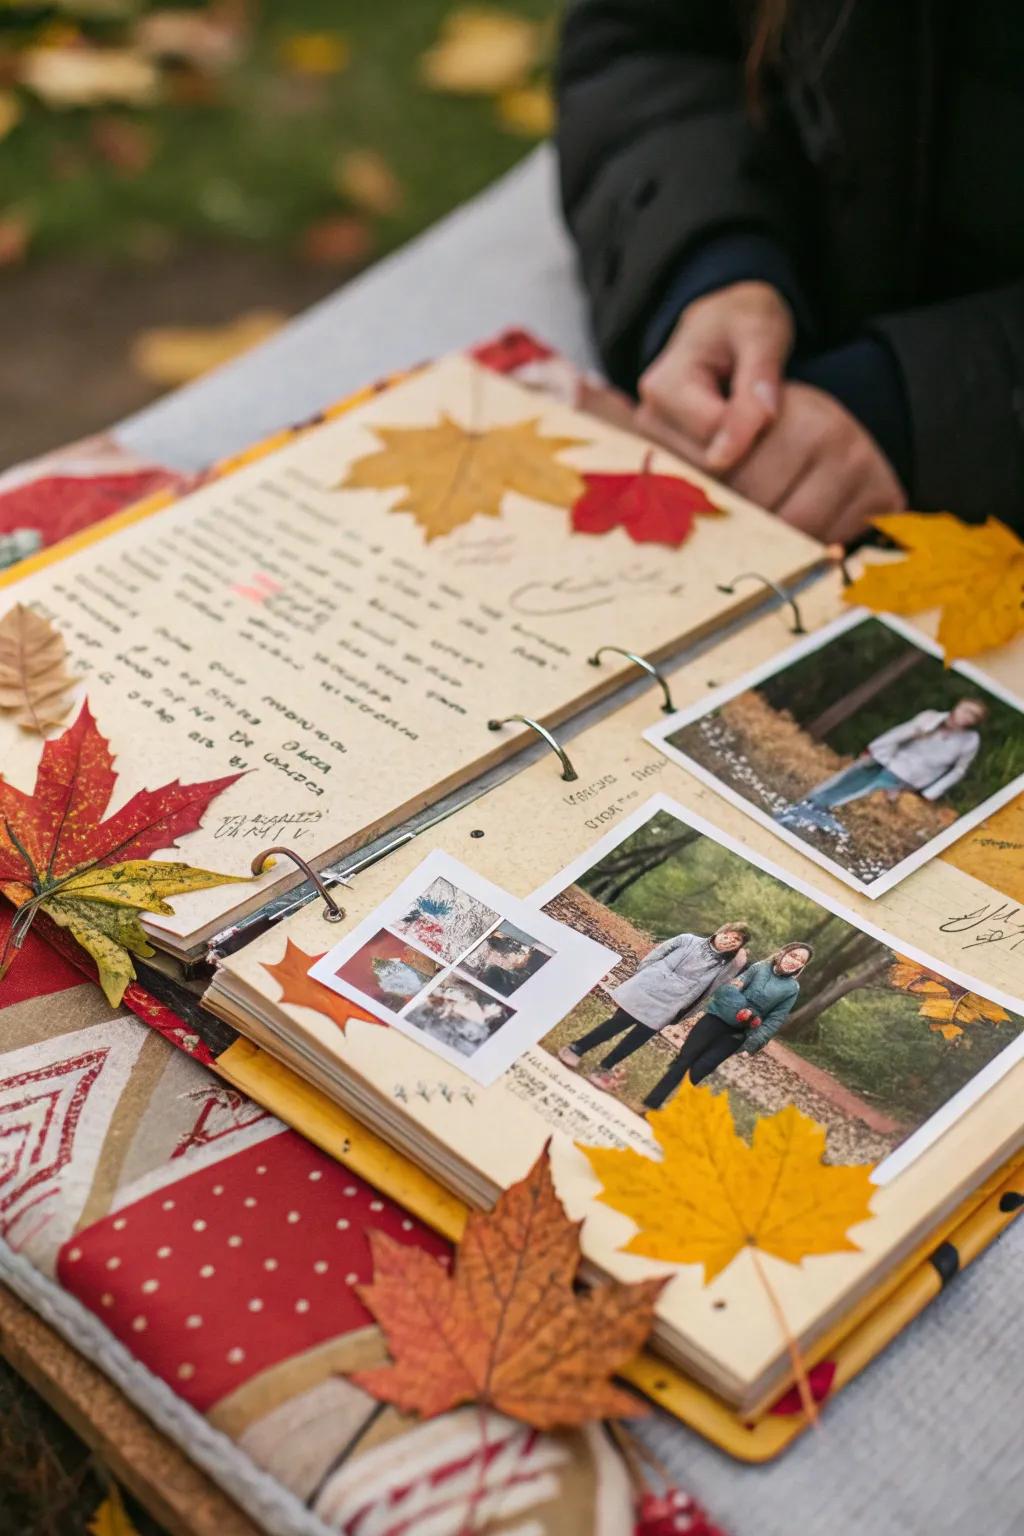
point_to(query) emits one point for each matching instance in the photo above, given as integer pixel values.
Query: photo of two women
(732, 977)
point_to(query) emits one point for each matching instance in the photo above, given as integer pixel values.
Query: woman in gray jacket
(670, 981)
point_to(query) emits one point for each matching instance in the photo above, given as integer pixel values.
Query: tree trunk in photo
(864, 692)
(805, 1024)
(612, 881)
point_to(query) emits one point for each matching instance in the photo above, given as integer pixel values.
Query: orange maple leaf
(299, 989)
(948, 1008)
(507, 1328)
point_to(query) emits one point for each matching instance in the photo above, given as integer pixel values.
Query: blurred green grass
(256, 165)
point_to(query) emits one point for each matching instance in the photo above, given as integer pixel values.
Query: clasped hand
(717, 396)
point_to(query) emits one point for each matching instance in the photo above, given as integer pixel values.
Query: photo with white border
(879, 1066)
(850, 747)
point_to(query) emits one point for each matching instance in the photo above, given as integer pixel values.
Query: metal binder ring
(332, 913)
(780, 592)
(569, 773)
(667, 708)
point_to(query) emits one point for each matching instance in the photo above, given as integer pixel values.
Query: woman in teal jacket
(742, 1015)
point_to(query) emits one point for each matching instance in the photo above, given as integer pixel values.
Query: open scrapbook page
(328, 631)
(887, 1022)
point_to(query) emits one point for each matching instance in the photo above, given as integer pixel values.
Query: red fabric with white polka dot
(237, 1267)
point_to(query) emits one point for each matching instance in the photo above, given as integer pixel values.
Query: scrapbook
(899, 1015)
(337, 631)
(792, 867)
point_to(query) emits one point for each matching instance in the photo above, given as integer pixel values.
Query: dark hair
(785, 949)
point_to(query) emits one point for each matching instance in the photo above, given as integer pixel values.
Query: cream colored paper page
(532, 827)
(344, 657)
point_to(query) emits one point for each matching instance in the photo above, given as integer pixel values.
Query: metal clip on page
(569, 773)
(332, 913)
(667, 707)
(797, 627)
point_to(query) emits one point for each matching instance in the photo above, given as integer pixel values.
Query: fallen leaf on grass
(93, 876)
(507, 1329)
(211, 41)
(172, 355)
(652, 508)
(711, 1196)
(112, 1518)
(10, 112)
(15, 237)
(343, 240)
(481, 52)
(314, 53)
(34, 681)
(300, 990)
(528, 110)
(973, 573)
(90, 77)
(449, 474)
(367, 180)
(123, 144)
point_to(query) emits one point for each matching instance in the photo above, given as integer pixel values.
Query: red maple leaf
(652, 508)
(94, 876)
(58, 828)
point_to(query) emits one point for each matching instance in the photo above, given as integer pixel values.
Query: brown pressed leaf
(507, 1329)
(34, 681)
(298, 988)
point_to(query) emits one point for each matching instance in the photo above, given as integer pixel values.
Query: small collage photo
(453, 961)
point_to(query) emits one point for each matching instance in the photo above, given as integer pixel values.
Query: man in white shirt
(927, 755)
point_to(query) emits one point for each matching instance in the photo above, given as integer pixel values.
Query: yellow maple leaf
(973, 573)
(994, 852)
(111, 1518)
(711, 1195)
(450, 474)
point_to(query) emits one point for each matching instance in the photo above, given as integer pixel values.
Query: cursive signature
(990, 924)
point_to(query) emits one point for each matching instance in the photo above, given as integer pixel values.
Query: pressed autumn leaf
(172, 355)
(948, 1008)
(367, 180)
(481, 52)
(506, 1329)
(652, 508)
(93, 876)
(710, 1196)
(33, 678)
(449, 474)
(111, 1518)
(994, 852)
(974, 574)
(299, 988)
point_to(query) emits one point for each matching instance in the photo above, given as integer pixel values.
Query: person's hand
(818, 469)
(716, 385)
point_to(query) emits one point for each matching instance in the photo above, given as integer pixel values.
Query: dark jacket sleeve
(962, 364)
(658, 154)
